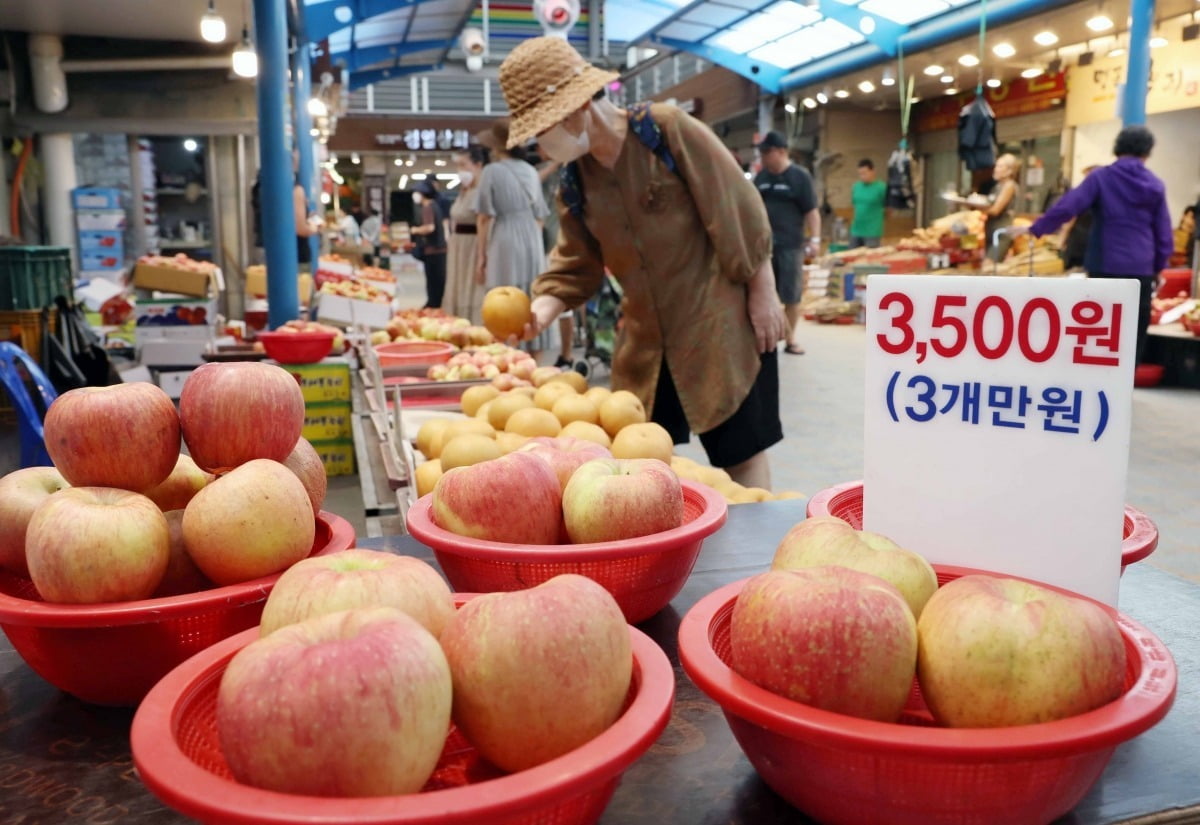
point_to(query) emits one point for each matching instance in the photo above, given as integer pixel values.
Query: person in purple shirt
(1131, 234)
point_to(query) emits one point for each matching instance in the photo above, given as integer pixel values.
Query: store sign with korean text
(1174, 84)
(1021, 96)
(997, 422)
(426, 139)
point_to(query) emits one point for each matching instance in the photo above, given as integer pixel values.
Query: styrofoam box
(172, 381)
(107, 219)
(351, 311)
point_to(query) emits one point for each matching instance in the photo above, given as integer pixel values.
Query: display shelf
(177, 190)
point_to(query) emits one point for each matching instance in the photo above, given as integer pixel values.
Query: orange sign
(1018, 97)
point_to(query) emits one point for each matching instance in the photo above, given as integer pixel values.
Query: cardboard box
(104, 220)
(256, 284)
(171, 352)
(102, 260)
(170, 279)
(322, 383)
(328, 422)
(166, 313)
(349, 311)
(337, 456)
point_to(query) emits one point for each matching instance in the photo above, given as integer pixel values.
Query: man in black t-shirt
(787, 191)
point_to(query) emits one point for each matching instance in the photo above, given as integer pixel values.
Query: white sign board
(997, 423)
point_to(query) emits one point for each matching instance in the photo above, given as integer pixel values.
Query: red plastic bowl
(1139, 536)
(414, 353)
(642, 574)
(112, 654)
(835, 767)
(1148, 375)
(297, 347)
(175, 749)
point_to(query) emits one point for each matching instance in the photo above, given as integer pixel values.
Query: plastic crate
(32, 276)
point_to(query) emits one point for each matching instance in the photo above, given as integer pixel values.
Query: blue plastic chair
(29, 420)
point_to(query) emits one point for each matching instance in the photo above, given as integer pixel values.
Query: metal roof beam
(361, 79)
(323, 19)
(764, 74)
(356, 57)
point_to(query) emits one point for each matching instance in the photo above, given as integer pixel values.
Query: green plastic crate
(32, 276)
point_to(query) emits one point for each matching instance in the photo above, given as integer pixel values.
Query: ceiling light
(314, 132)
(952, 91)
(888, 78)
(403, 181)
(1116, 51)
(866, 25)
(841, 93)
(1004, 50)
(317, 107)
(212, 25)
(866, 87)
(934, 70)
(245, 59)
(993, 83)
(439, 162)
(410, 162)
(809, 103)
(1046, 38)
(333, 159)
(1032, 72)
(326, 197)
(947, 78)
(1158, 42)
(190, 144)
(790, 108)
(914, 98)
(399, 162)
(822, 97)
(1100, 23)
(418, 176)
(968, 60)
(355, 159)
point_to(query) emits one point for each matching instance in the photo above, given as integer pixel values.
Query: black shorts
(787, 263)
(753, 428)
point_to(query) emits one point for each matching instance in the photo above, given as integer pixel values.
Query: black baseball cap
(773, 140)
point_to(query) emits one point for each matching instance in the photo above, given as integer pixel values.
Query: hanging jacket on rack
(899, 180)
(977, 134)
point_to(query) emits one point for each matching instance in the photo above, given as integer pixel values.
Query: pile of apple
(458, 331)
(356, 290)
(339, 337)
(362, 663)
(178, 261)
(123, 515)
(488, 362)
(374, 273)
(845, 619)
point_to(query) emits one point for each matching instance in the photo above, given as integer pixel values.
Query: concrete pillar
(57, 152)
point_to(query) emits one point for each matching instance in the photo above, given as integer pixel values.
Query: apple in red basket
(996, 651)
(358, 578)
(829, 637)
(565, 454)
(21, 492)
(182, 576)
(538, 672)
(87, 545)
(609, 499)
(125, 436)
(306, 463)
(253, 521)
(236, 412)
(824, 540)
(177, 489)
(514, 499)
(355, 703)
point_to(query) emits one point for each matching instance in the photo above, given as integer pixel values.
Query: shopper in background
(999, 211)
(1184, 232)
(1131, 226)
(1075, 236)
(868, 197)
(511, 212)
(307, 224)
(787, 191)
(548, 174)
(348, 229)
(464, 296)
(430, 238)
(652, 195)
(370, 228)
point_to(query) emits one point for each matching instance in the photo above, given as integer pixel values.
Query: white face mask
(562, 146)
(465, 177)
(418, 198)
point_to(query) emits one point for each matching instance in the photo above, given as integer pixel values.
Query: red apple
(829, 637)
(522, 368)
(20, 494)
(538, 672)
(358, 578)
(125, 436)
(306, 463)
(182, 576)
(251, 522)
(236, 412)
(355, 703)
(177, 489)
(613, 499)
(565, 454)
(824, 540)
(997, 652)
(514, 498)
(87, 545)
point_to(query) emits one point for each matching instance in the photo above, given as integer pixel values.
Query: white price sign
(997, 422)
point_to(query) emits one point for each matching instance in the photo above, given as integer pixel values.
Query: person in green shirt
(867, 196)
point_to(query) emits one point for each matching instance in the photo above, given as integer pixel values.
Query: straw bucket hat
(544, 80)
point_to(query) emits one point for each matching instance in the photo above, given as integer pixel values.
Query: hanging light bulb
(888, 79)
(822, 98)
(993, 83)
(355, 159)
(245, 59)
(212, 25)
(317, 107)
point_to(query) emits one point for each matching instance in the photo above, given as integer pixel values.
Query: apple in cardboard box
(538, 672)
(354, 579)
(610, 499)
(825, 540)
(87, 545)
(829, 637)
(355, 703)
(998, 651)
(21, 492)
(125, 436)
(514, 499)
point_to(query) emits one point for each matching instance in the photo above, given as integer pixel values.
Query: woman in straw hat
(653, 196)
(511, 210)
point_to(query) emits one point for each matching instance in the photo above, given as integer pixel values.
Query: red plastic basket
(296, 347)
(414, 353)
(836, 768)
(112, 654)
(175, 749)
(1139, 536)
(642, 574)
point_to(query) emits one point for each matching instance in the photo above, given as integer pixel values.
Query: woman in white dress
(463, 295)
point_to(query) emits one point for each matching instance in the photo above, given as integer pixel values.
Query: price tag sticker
(997, 422)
